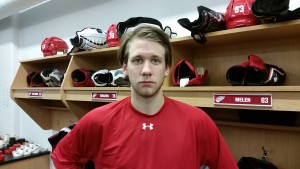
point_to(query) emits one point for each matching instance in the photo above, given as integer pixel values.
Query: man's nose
(147, 68)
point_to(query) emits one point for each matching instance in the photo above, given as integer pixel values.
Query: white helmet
(89, 38)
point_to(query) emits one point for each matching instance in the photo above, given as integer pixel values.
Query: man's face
(146, 67)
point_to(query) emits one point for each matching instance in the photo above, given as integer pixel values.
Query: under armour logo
(145, 126)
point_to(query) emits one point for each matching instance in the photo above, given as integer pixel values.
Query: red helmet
(50, 46)
(112, 38)
(239, 14)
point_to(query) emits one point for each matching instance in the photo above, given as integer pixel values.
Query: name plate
(104, 95)
(35, 93)
(243, 99)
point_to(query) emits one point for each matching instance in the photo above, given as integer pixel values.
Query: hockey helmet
(112, 38)
(50, 46)
(208, 21)
(273, 11)
(184, 74)
(89, 38)
(239, 14)
(134, 22)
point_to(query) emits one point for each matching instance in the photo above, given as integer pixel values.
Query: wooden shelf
(104, 52)
(200, 96)
(55, 108)
(79, 99)
(85, 93)
(263, 32)
(203, 96)
(205, 55)
(48, 59)
(43, 104)
(41, 161)
(258, 126)
(234, 89)
(48, 93)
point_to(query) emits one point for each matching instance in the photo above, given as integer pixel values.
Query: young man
(146, 130)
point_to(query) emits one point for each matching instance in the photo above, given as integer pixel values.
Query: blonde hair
(149, 33)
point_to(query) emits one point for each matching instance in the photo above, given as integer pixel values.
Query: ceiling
(11, 7)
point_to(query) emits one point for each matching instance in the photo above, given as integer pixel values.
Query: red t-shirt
(117, 136)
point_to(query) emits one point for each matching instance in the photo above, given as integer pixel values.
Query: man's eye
(137, 61)
(156, 61)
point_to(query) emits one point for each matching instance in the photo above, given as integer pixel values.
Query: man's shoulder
(182, 105)
(112, 105)
(107, 110)
(192, 112)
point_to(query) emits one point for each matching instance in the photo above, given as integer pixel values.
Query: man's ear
(167, 71)
(124, 68)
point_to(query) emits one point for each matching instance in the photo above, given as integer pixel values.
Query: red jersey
(117, 136)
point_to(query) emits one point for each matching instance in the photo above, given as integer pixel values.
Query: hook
(264, 156)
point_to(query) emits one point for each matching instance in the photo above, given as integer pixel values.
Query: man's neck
(148, 105)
